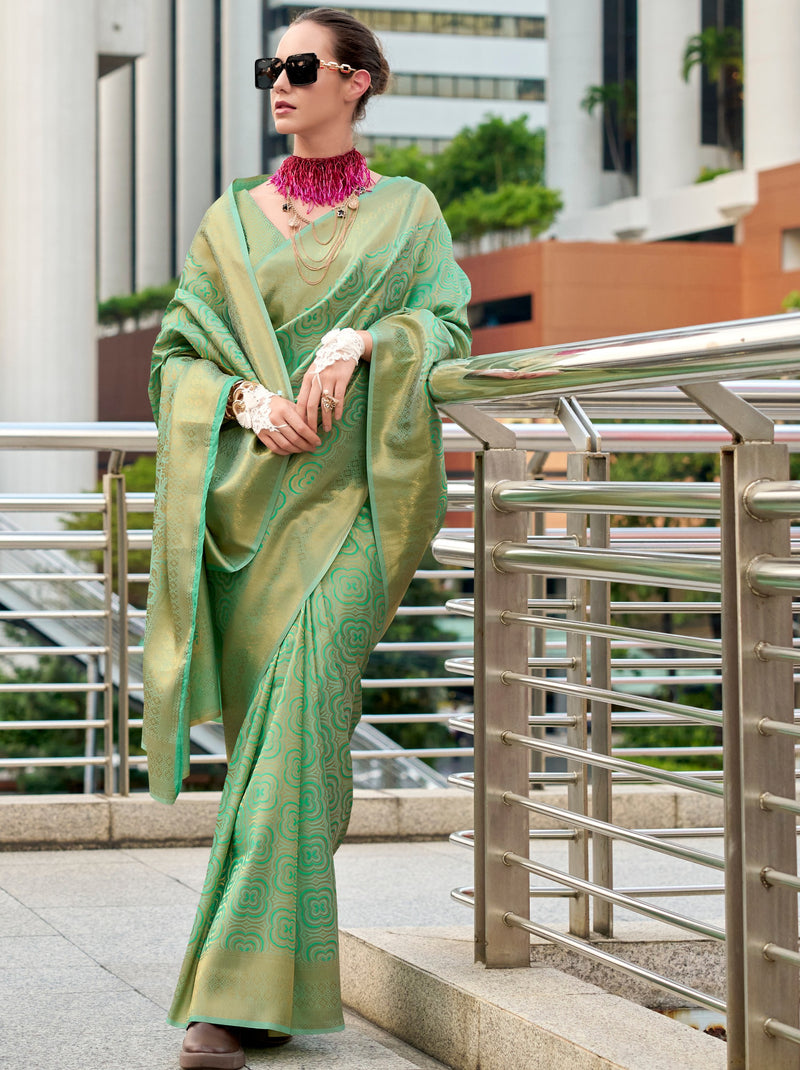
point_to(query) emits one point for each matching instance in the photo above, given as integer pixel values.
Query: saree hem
(255, 1025)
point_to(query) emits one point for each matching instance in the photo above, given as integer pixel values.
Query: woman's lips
(283, 108)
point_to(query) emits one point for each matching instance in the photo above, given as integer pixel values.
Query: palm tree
(720, 52)
(619, 116)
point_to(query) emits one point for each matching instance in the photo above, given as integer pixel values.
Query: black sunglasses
(300, 69)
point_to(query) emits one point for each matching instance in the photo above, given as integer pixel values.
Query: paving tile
(52, 950)
(187, 865)
(134, 930)
(155, 980)
(36, 980)
(18, 920)
(378, 884)
(118, 883)
(119, 1029)
(60, 858)
(350, 1050)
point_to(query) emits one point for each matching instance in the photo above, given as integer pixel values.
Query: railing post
(123, 701)
(576, 649)
(499, 707)
(92, 677)
(117, 638)
(755, 838)
(599, 647)
(108, 635)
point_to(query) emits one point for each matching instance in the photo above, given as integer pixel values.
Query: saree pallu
(272, 578)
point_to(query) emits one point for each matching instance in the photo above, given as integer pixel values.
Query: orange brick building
(582, 290)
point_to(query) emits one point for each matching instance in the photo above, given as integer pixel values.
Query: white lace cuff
(251, 407)
(339, 344)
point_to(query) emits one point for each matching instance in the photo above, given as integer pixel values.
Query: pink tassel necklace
(333, 180)
(326, 180)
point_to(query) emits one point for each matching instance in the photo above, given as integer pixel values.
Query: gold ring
(328, 402)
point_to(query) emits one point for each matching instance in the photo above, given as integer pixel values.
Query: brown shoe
(210, 1047)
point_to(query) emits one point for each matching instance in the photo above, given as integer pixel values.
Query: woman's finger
(298, 432)
(330, 406)
(312, 405)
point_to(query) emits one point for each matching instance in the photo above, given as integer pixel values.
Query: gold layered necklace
(312, 268)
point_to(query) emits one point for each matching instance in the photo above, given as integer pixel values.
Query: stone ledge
(421, 985)
(30, 822)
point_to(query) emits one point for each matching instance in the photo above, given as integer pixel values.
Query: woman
(299, 483)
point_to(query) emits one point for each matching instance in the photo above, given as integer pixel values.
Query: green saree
(272, 578)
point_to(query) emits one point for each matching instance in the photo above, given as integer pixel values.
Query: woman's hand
(295, 435)
(330, 382)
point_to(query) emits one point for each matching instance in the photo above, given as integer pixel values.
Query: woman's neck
(322, 148)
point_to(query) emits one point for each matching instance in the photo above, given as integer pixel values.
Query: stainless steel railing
(743, 559)
(82, 616)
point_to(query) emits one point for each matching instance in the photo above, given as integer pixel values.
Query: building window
(790, 249)
(499, 313)
(429, 146)
(402, 21)
(721, 114)
(466, 87)
(619, 69)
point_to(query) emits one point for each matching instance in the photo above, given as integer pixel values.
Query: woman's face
(326, 103)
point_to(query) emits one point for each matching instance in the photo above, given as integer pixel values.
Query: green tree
(391, 665)
(140, 477)
(46, 706)
(791, 302)
(672, 468)
(619, 117)
(720, 53)
(488, 178)
(488, 156)
(131, 306)
(506, 208)
(410, 161)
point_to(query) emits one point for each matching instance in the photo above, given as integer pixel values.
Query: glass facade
(721, 119)
(466, 87)
(402, 21)
(428, 146)
(619, 69)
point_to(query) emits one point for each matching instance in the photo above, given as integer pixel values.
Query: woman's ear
(358, 84)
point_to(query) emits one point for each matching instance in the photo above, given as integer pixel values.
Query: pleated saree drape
(272, 578)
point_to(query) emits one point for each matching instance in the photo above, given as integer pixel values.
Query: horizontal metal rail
(773, 499)
(632, 499)
(769, 575)
(668, 917)
(774, 1028)
(24, 726)
(596, 954)
(53, 540)
(55, 688)
(90, 502)
(678, 710)
(632, 436)
(646, 772)
(683, 642)
(666, 570)
(714, 352)
(635, 836)
(684, 571)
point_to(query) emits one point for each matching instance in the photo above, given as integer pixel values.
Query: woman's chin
(284, 124)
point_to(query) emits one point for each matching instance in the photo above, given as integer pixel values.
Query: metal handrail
(709, 353)
(746, 560)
